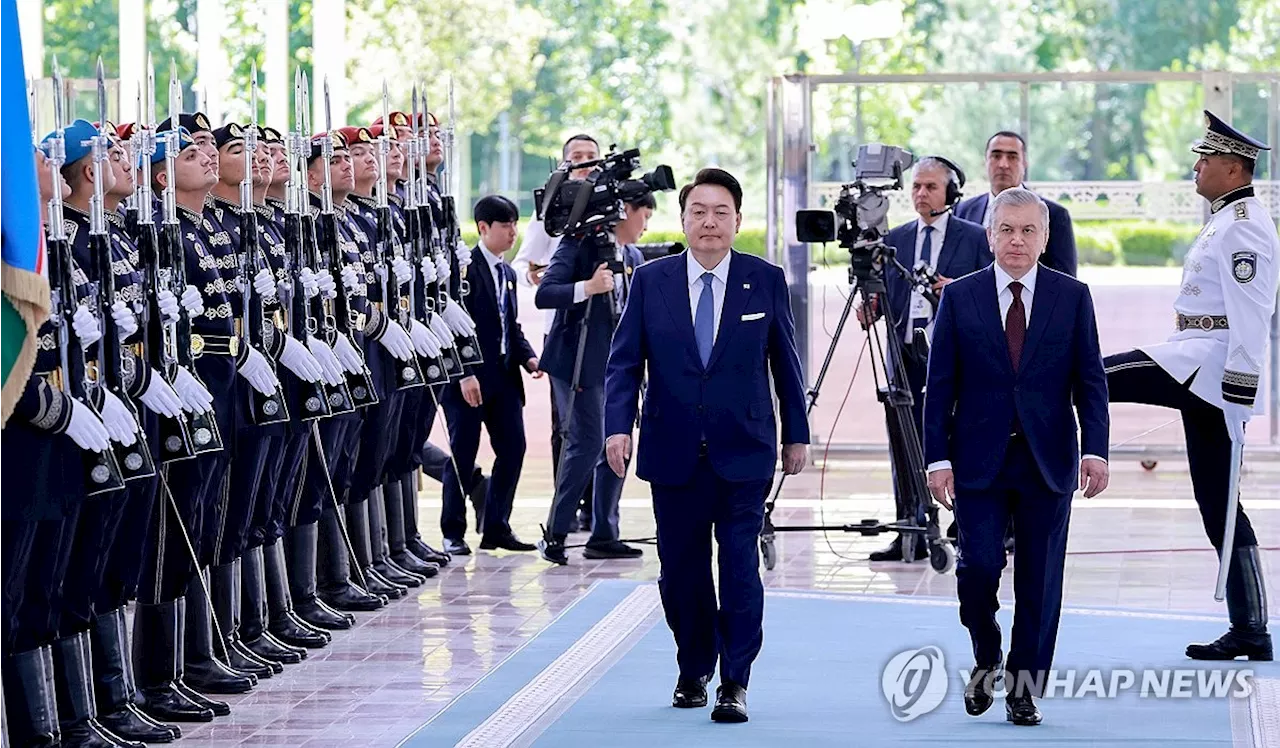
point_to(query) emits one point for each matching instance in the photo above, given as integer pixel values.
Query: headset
(953, 189)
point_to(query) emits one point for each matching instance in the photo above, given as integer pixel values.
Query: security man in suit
(712, 328)
(1210, 368)
(493, 393)
(1007, 167)
(588, 283)
(1015, 358)
(952, 247)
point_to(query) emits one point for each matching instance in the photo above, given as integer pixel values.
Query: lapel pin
(746, 286)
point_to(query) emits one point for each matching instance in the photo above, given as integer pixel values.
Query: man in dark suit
(1014, 347)
(709, 327)
(583, 288)
(953, 247)
(493, 394)
(1007, 167)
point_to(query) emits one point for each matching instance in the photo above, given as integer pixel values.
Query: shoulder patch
(1242, 211)
(1244, 265)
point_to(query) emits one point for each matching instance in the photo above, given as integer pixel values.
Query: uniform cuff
(1094, 457)
(939, 465)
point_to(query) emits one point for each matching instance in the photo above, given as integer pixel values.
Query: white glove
(195, 398)
(347, 354)
(126, 320)
(168, 305)
(297, 359)
(444, 336)
(264, 283)
(160, 397)
(309, 285)
(350, 278)
(86, 326)
(1236, 416)
(397, 341)
(119, 423)
(442, 267)
(457, 319)
(327, 287)
(403, 270)
(192, 301)
(429, 274)
(463, 253)
(86, 430)
(257, 372)
(423, 341)
(330, 369)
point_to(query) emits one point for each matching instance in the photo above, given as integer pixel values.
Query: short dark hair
(1007, 134)
(564, 149)
(495, 209)
(644, 201)
(712, 175)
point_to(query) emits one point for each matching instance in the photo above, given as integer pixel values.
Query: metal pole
(1273, 127)
(796, 145)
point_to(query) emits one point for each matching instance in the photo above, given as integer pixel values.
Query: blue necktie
(502, 308)
(926, 254)
(704, 322)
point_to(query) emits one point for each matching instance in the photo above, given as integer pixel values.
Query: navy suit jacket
(964, 251)
(572, 263)
(728, 400)
(973, 393)
(482, 304)
(1061, 252)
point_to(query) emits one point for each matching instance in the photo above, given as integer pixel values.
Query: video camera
(860, 220)
(596, 204)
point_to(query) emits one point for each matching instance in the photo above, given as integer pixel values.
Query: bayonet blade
(57, 98)
(386, 107)
(102, 95)
(328, 122)
(150, 113)
(253, 94)
(175, 95)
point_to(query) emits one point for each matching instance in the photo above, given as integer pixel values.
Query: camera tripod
(904, 442)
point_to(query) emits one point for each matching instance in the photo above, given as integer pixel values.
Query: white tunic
(1230, 271)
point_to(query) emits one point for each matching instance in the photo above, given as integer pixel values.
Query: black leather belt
(1206, 322)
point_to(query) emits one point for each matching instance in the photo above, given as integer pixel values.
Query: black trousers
(378, 438)
(33, 621)
(17, 541)
(1132, 377)
(502, 415)
(95, 537)
(187, 492)
(228, 537)
(340, 437)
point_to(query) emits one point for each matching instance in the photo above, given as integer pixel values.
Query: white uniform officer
(1209, 369)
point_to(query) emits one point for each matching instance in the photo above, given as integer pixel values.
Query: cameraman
(951, 247)
(580, 285)
(530, 263)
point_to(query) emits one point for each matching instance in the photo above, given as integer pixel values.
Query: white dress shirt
(718, 286)
(1005, 298)
(537, 248)
(939, 234)
(986, 217)
(500, 286)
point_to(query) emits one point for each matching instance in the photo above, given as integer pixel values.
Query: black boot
(337, 589)
(224, 587)
(73, 681)
(358, 532)
(283, 622)
(29, 702)
(253, 614)
(158, 643)
(1247, 609)
(301, 547)
(393, 504)
(412, 537)
(114, 687)
(204, 671)
(380, 546)
(551, 547)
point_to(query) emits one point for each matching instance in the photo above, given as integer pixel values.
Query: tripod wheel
(942, 557)
(1149, 465)
(770, 553)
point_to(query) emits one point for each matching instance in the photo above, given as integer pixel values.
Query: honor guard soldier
(1209, 369)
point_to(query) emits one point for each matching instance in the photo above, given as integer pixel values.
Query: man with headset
(951, 247)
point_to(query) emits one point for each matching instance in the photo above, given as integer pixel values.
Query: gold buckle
(197, 345)
(358, 321)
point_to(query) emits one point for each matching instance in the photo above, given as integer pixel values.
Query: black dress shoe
(551, 548)
(731, 703)
(612, 549)
(893, 551)
(1022, 710)
(271, 649)
(507, 543)
(1233, 644)
(349, 597)
(219, 708)
(690, 693)
(456, 547)
(426, 552)
(979, 694)
(293, 631)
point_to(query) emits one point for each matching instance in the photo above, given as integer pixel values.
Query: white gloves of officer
(264, 283)
(195, 398)
(397, 341)
(350, 278)
(423, 341)
(429, 274)
(324, 280)
(86, 430)
(126, 321)
(442, 266)
(441, 330)
(351, 360)
(119, 422)
(160, 397)
(463, 253)
(309, 286)
(296, 358)
(192, 301)
(86, 326)
(403, 270)
(331, 370)
(457, 319)
(1236, 416)
(167, 303)
(257, 372)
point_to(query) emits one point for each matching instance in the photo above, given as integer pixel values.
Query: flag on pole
(24, 280)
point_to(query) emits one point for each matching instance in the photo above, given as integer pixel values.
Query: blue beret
(184, 141)
(1219, 138)
(76, 137)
